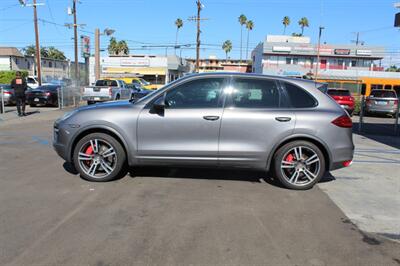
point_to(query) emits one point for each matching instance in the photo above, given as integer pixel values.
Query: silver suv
(285, 126)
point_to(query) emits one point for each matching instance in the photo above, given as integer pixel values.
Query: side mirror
(159, 105)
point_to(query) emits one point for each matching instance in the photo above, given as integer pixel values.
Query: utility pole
(37, 43)
(318, 52)
(97, 54)
(357, 41)
(198, 42)
(77, 74)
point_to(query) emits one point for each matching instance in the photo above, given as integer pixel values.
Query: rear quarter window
(299, 97)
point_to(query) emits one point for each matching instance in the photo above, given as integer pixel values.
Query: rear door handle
(211, 117)
(283, 119)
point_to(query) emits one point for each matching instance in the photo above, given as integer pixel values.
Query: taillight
(368, 101)
(110, 91)
(47, 94)
(7, 92)
(396, 102)
(343, 121)
(347, 163)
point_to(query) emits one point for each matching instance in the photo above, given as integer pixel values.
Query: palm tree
(249, 27)
(303, 22)
(227, 47)
(242, 21)
(178, 24)
(113, 46)
(285, 22)
(123, 48)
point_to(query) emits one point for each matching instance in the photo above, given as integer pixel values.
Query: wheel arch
(98, 129)
(318, 142)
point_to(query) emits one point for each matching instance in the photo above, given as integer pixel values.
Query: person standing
(19, 86)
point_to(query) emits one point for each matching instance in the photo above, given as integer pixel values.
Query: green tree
(242, 20)
(249, 27)
(30, 50)
(285, 22)
(178, 24)
(54, 53)
(227, 47)
(123, 48)
(393, 68)
(303, 22)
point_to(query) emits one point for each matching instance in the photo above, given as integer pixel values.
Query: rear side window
(298, 97)
(339, 92)
(253, 93)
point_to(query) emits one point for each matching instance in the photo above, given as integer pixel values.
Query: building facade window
(288, 60)
(295, 61)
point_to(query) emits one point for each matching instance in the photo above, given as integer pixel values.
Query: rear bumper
(96, 98)
(39, 100)
(381, 110)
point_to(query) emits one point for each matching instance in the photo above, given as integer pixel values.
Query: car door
(254, 120)
(187, 130)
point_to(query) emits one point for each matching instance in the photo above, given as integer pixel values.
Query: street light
(318, 49)
(106, 32)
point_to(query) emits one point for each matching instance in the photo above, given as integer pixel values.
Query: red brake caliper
(89, 151)
(289, 158)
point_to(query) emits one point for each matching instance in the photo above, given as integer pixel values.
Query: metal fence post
(396, 123)
(361, 121)
(59, 98)
(2, 101)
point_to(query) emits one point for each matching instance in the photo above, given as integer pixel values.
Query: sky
(151, 23)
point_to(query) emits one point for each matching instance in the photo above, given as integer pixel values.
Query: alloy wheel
(300, 166)
(97, 158)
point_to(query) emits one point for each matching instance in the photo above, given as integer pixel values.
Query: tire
(91, 158)
(290, 171)
(117, 97)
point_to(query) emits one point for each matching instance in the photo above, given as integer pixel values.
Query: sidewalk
(368, 192)
(37, 114)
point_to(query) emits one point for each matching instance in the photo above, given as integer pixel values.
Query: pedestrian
(19, 86)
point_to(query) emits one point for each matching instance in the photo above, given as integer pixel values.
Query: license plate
(36, 99)
(97, 98)
(380, 103)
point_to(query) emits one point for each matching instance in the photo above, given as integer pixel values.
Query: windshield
(106, 83)
(339, 92)
(383, 94)
(144, 82)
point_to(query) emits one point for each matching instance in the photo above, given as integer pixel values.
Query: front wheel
(99, 157)
(299, 165)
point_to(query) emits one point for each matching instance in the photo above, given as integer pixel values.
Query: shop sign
(284, 49)
(342, 51)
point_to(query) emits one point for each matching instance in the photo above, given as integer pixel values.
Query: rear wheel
(99, 157)
(299, 165)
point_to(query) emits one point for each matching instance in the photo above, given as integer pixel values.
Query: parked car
(8, 94)
(145, 84)
(106, 90)
(382, 102)
(286, 126)
(343, 98)
(138, 91)
(46, 95)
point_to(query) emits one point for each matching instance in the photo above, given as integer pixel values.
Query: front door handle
(211, 117)
(283, 119)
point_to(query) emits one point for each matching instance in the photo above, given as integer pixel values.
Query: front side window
(253, 93)
(202, 93)
(298, 97)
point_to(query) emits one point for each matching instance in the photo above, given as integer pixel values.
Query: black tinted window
(339, 92)
(383, 94)
(204, 93)
(253, 93)
(298, 97)
(107, 83)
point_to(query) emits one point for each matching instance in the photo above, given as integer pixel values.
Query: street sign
(85, 46)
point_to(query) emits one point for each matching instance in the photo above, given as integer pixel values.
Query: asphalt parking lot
(158, 216)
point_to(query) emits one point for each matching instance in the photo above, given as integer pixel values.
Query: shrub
(7, 76)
